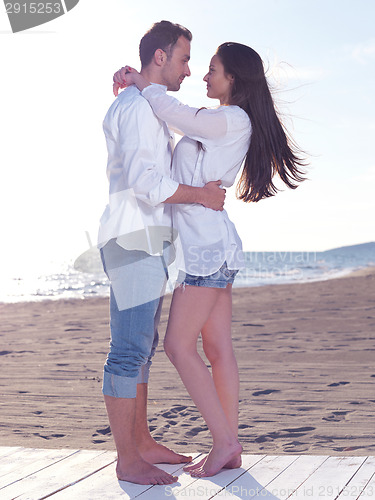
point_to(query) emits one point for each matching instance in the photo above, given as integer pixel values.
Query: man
(135, 238)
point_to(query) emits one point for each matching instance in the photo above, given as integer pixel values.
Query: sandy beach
(306, 356)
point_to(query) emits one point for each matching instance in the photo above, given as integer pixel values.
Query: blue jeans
(137, 287)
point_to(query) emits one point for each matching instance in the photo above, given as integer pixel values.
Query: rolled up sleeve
(140, 173)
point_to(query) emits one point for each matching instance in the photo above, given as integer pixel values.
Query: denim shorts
(220, 279)
(137, 286)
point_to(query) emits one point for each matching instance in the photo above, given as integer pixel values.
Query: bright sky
(56, 88)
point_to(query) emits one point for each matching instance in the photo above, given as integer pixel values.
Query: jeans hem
(119, 387)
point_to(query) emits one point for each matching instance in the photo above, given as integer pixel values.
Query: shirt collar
(164, 87)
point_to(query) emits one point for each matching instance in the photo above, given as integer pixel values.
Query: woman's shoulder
(237, 117)
(236, 112)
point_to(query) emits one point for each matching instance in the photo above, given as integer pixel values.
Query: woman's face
(218, 83)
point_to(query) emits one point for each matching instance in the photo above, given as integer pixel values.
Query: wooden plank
(100, 486)
(104, 485)
(329, 480)
(8, 450)
(359, 481)
(59, 474)
(204, 488)
(362, 485)
(26, 461)
(255, 480)
(294, 476)
(90, 475)
(369, 491)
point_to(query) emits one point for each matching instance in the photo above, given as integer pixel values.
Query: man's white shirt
(140, 148)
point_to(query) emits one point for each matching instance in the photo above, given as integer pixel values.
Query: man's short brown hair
(162, 35)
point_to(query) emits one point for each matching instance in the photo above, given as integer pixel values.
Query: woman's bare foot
(218, 458)
(141, 472)
(199, 464)
(235, 463)
(156, 453)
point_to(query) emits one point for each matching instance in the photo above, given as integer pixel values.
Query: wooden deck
(90, 475)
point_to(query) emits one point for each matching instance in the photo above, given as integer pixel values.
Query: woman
(216, 143)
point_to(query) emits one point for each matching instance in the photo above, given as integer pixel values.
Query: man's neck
(151, 76)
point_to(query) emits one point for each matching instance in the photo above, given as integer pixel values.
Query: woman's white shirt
(213, 148)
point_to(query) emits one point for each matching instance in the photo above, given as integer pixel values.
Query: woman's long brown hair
(271, 151)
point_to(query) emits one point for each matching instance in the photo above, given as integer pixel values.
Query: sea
(83, 277)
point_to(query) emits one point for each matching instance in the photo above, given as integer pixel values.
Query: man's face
(176, 66)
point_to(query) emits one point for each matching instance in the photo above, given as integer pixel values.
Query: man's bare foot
(217, 459)
(191, 467)
(141, 472)
(156, 453)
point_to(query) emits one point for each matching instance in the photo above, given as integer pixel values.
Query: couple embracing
(167, 205)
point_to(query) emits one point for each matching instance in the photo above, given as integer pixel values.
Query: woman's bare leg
(217, 345)
(190, 309)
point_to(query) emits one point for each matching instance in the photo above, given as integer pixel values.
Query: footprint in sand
(103, 432)
(295, 447)
(267, 391)
(178, 408)
(336, 384)
(266, 437)
(285, 433)
(299, 429)
(194, 418)
(244, 426)
(77, 329)
(168, 414)
(50, 436)
(194, 431)
(173, 411)
(349, 448)
(336, 416)
(252, 324)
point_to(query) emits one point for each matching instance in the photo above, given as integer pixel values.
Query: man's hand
(213, 196)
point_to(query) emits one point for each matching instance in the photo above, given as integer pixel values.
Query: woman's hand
(122, 79)
(128, 76)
